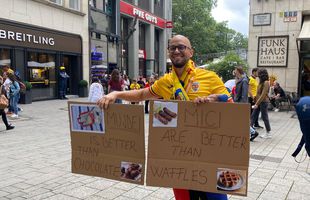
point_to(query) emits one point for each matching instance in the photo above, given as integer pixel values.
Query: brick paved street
(35, 162)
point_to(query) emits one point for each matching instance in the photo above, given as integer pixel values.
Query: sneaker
(266, 136)
(10, 127)
(259, 127)
(14, 116)
(277, 110)
(253, 136)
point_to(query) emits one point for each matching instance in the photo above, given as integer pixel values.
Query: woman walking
(2, 112)
(14, 94)
(116, 83)
(262, 102)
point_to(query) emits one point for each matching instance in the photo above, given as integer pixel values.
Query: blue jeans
(303, 113)
(13, 103)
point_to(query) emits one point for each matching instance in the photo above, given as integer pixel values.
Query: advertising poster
(201, 147)
(108, 143)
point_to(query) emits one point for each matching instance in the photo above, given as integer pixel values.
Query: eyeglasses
(181, 48)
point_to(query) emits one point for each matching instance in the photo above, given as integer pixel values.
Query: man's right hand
(104, 102)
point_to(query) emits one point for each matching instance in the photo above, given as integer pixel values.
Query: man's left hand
(210, 98)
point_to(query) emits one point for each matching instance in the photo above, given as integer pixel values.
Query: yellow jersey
(202, 83)
(253, 86)
(134, 86)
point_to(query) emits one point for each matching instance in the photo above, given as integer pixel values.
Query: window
(59, 2)
(41, 69)
(98, 4)
(5, 58)
(75, 4)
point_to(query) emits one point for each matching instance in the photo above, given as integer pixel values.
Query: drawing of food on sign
(231, 180)
(86, 118)
(131, 171)
(165, 114)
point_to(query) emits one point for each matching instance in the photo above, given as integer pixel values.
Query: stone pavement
(35, 162)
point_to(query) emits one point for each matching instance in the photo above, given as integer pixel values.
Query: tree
(193, 19)
(225, 67)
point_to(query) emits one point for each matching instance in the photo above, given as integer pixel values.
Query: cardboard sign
(108, 143)
(200, 147)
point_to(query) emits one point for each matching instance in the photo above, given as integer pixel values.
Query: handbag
(4, 102)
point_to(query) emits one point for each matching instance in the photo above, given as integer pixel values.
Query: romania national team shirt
(253, 86)
(197, 83)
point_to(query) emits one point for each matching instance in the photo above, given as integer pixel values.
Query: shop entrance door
(304, 79)
(73, 69)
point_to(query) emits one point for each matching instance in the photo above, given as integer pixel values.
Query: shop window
(145, 5)
(5, 56)
(59, 2)
(41, 69)
(75, 4)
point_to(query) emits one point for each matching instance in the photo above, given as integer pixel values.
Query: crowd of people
(117, 82)
(11, 85)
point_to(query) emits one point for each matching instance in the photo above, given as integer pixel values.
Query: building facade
(279, 35)
(144, 36)
(39, 36)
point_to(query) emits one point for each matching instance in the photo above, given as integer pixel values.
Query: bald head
(181, 38)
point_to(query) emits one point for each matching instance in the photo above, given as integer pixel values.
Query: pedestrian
(126, 82)
(252, 94)
(14, 94)
(148, 84)
(199, 86)
(2, 112)
(134, 86)
(116, 83)
(279, 96)
(63, 79)
(262, 102)
(141, 82)
(303, 113)
(95, 90)
(241, 93)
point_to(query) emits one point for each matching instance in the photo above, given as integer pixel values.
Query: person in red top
(116, 83)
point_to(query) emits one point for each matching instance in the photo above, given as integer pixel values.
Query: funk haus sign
(272, 51)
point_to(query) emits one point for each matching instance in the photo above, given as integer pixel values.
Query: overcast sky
(236, 12)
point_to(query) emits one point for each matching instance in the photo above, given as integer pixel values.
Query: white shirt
(95, 92)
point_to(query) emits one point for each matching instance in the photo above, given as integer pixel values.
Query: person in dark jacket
(242, 86)
(63, 79)
(241, 94)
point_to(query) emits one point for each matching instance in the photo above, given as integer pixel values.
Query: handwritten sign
(207, 150)
(108, 143)
(272, 51)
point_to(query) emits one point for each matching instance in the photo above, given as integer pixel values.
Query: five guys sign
(131, 10)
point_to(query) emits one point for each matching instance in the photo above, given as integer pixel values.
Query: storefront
(37, 53)
(145, 38)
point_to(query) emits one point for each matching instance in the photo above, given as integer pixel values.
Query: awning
(304, 33)
(305, 30)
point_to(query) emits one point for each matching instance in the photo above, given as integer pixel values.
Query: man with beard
(185, 82)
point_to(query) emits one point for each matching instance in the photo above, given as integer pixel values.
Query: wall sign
(15, 34)
(262, 19)
(290, 16)
(272, 51)
(131, 10)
